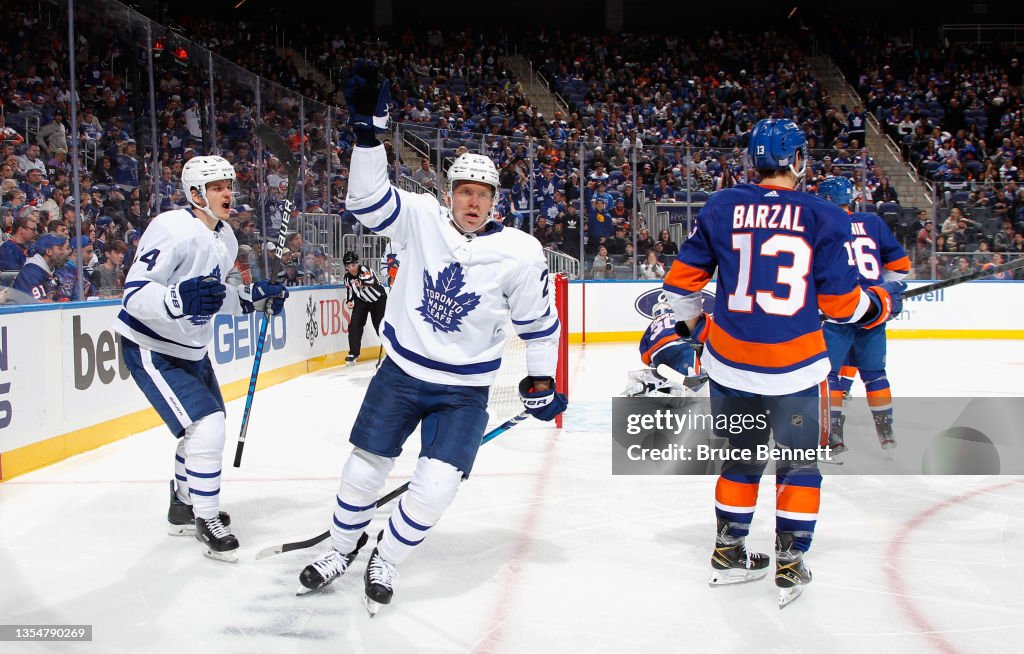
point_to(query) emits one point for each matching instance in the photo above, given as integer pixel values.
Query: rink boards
(64, 388)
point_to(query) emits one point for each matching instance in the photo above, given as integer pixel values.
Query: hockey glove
(368, 100)
(542, 405)
(199, 296)
(254, 297)
(887, 299)
(700, 330)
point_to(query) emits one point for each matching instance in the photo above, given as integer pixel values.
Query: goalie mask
(200, 171)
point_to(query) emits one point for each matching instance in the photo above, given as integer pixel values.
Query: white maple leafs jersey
(176, 246)
(449, 308)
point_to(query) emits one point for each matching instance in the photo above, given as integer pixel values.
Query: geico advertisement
(46, 390)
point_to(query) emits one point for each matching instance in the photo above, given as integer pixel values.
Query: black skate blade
(732, 577)
(788, 595)
(303, 591)
(221, 557)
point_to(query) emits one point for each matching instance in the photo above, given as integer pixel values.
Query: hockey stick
(690, 383)
(252, 386)
(310, 542)
(977, 274)
(279, 149)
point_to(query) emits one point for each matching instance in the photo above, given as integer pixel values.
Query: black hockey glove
(367, 99)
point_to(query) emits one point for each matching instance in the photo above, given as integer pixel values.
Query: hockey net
(504, 401)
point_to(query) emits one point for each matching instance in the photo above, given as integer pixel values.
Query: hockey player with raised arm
(462, 276)
(171, 293)
(879, 258)
(780, 256)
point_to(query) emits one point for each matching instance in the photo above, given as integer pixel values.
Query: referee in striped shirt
(365, 297)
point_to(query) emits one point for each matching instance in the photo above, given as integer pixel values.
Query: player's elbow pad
(886, 302)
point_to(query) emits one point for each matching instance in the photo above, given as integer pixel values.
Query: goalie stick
(279, 149)
(673, 375)
(273, 550)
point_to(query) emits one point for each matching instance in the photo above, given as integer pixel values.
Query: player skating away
(462, 276)
(173, 289)
(662, 346)
(780, 256)
(366, 297)
(879, 258)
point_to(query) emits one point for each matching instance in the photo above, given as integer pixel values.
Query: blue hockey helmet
(774, 144)
(837, 190)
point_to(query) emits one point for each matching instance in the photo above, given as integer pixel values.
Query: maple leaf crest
(444, 304)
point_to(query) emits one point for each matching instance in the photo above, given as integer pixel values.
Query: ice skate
(835, 436)
(327, 567)
(181, 521)
(731, 563)
(791, 573)
(218, 543)
(350, 359)
(883, 427)
(380, 581)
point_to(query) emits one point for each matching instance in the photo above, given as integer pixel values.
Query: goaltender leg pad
(431, 490)
(181, 391)
(362, 478)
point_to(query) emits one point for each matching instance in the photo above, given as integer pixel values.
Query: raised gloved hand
(198, 296)
(254, 297)
(888, 298)
(542, 405)
(699, 334)
(367, 99)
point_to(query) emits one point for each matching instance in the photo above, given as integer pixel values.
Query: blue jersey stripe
(419, 359)
(194, 491)
(541, 334)
(376, 205)
(355, 509)
(202, 475)
(390, 219)
(139, 327)
(527, 322)
(409, 521)
(347, 527)
(404, 541)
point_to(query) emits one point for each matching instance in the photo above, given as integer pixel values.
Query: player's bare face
(219, 195)
(471, 205)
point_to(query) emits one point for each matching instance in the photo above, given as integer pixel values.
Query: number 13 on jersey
(793, 276)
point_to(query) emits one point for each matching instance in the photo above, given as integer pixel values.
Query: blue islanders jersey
(875, 251)
(781, 256)
(660, 334)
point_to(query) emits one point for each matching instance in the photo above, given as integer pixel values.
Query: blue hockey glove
(700, 330)
(888, 300)
(199, 296)
(367, 99)
(254, 297)
(542, 405)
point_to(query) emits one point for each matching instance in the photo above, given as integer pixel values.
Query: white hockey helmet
(471, 167)
(200, 171)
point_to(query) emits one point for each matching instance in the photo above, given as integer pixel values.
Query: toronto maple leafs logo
(444, 304)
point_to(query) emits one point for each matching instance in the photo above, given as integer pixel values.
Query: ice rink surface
(542, 551)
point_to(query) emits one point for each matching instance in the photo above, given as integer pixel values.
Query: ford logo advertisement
(645, 303)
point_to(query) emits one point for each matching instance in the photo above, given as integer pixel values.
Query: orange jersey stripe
(899, 265)
(685, 276)
(848, 372)
(797, 499)
(839, 306)
(646, 356)
(736, 494)
(881, 397)
(766, 355)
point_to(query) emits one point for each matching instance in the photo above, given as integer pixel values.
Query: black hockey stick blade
(310, 542)
(977, 274)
